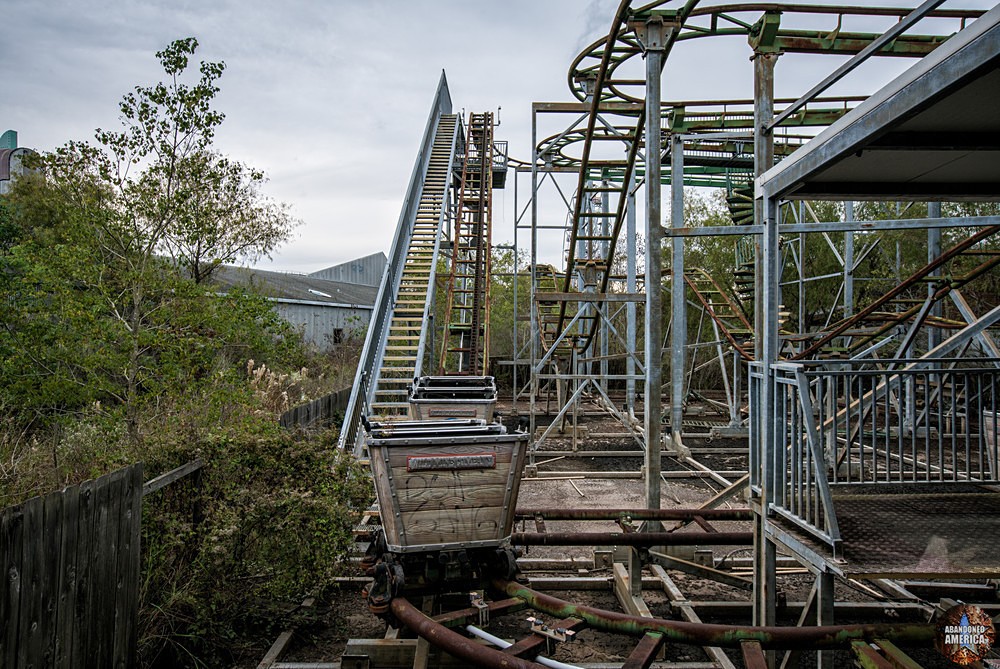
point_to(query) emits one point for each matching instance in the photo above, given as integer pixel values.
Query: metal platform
(942, 534)
(909, 535)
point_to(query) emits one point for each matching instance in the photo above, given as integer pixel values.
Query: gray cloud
(330, 98)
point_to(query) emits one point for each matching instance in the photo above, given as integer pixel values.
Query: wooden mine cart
(437, 397)
(446, 485)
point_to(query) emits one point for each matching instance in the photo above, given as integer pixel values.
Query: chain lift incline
(452, 181)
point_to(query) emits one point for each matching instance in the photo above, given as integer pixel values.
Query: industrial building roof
(285, 287)
(367, 270)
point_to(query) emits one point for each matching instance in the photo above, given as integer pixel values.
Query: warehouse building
(325, 312)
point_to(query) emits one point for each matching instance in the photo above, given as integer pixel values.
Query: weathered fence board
(12, 526)
(70, 568)
(66, 608)
(322, 411)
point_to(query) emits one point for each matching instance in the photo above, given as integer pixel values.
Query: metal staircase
(466, 336)
(400, 332)
(404, 343)
(727, 314)
(394, 346)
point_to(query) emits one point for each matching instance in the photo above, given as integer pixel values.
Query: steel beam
(653, 33)
(678, 303)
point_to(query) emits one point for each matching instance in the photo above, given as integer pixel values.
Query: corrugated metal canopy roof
(931, 134)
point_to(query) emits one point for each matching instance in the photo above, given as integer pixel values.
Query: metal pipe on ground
(454, 643)
(503, 645)
(727, 636)
(632, 538)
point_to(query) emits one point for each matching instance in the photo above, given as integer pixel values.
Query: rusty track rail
(439, 633)
(726, 636)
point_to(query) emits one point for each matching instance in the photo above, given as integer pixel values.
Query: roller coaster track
(405, 340)
(593, 78)
(897, 306)
(399, 333)
(876, 643)
(467, 315)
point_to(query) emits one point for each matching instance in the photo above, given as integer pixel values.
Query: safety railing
(905, 422)
(371, 353)
(499, 155)
(800, 479)
(918, 422)
(350, 435)
(755, 385)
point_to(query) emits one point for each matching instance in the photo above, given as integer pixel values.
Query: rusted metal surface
(753, 655)
(645, 651)
(727, 636)
(454, 643)
(634, 514)
(632, 539)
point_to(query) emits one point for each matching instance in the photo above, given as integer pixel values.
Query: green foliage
(502, 322)
(113, 352)
(278, 511)
(225, 218)
(98, 312)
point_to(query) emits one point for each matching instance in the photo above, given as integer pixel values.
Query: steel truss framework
(727, 144)
(876, 397)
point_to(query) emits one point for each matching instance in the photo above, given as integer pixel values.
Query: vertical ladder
(465, 349)
(406, 334)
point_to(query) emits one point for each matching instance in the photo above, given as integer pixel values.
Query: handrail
(432, 280)
(801, 487)
(163, 480)
(366, 377)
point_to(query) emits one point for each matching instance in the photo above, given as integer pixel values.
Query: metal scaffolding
(730, 144)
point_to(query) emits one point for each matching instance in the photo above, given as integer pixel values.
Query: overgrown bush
(271, 522)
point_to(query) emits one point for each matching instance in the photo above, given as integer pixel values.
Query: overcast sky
(330, 98)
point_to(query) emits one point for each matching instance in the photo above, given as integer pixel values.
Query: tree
(225, 218)
(502, 315)
(112, 352)
(94, 225)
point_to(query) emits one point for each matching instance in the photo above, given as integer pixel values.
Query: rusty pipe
(632, 538)
(727, 636)
(635, 514)
(438, 635)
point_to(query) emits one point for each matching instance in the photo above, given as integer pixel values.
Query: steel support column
(678, 304)
(824, 612)
(933, 251)
(603, 307)
(653, 41)
(766, 342)
(533, 315)
(514, 351)
(631, 287)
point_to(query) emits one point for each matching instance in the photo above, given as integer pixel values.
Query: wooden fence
(323, 411)
(69, 563)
